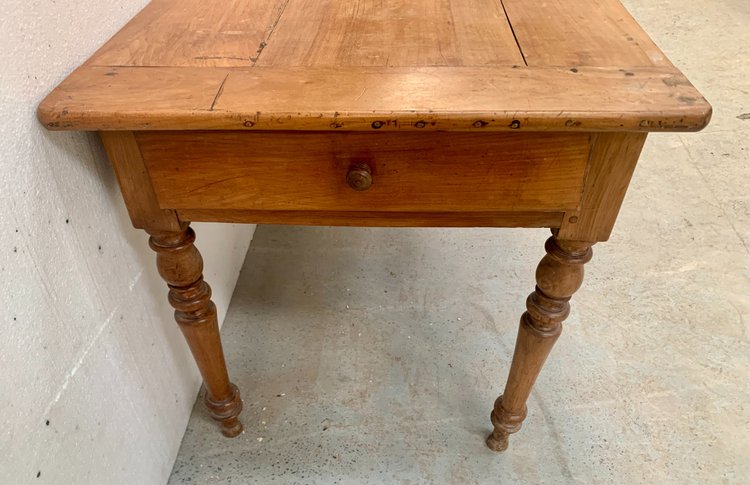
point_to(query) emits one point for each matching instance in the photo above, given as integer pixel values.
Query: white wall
(87, 340)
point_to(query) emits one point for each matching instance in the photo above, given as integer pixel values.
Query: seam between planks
(267, 38)
(513, 31)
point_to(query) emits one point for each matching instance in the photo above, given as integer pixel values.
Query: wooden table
(451, 113)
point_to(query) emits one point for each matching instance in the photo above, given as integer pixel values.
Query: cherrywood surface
(135, 183)
(391, 33)
(345, 99)
(377, 219)
(181, 266)
(611, 164)
(558, 276)
(242, 33)
(412, 173)
(197, 33)
(581, 33)
(346, 64)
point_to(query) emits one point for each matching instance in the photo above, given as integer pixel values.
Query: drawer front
(423, 172)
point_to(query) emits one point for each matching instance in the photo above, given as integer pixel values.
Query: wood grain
(558, 276)
(581, 33)
(109, 99)
(181, 266)
(377, 219)
(391, 33)
(410, 172)
(346, 64)
(612, 162)
(290, 33)
(135, 183)
(346, 99)
(193, 33)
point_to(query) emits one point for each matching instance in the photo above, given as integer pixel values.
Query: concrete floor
(374, 355)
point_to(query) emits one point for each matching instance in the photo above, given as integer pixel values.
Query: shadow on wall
(94, 191)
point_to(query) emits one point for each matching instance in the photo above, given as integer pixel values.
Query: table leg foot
(226, 412)
(505, 423)
(497, 441)
(181, 266)
(558, 276)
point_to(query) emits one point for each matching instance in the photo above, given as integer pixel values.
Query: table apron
(194, 171)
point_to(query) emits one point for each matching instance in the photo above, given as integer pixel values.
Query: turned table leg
(558, 276)
(181, 266)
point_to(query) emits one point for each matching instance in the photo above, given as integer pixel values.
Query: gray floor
(374, 355)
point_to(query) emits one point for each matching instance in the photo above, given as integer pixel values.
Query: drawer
(415, 172)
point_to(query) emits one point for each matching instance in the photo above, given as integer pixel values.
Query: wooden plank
(193, 33)
(418, 99)
(412, 172)
(377, 219)
(111, 98)
(611, 165)
(581, 33)
(135, 184)
(284, 33)
(391, 33)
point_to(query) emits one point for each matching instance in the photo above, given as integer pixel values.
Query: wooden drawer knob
(359, 176)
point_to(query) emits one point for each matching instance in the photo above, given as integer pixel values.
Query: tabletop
(359, 65)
